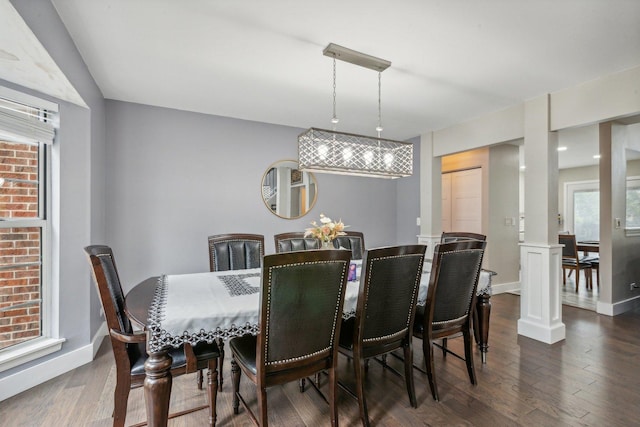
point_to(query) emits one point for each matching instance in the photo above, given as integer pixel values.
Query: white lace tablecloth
(207, 306)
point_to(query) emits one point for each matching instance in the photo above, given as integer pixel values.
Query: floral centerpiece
(326, 231)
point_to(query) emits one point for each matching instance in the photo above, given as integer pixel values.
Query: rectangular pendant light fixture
(330, 151)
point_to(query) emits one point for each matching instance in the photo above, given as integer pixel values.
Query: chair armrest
(138, 337)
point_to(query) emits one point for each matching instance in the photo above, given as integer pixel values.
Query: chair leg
(199, 379)
(235, 374)
(262, 407)
(564, 276)
(408, 374)
(120, 399)
(212, 390)
(427, 350)
(220, 362)
(468, 355)
(359, 366)
(444, 347)
(333, 394)
(577, 279)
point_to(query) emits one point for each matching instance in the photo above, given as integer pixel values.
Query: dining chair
(352, 240)
(235, 251)
(385, 312)
(129, 347)
(571, 260)
(295, 241)
(454, 236)
(451, 297)
(301, 303)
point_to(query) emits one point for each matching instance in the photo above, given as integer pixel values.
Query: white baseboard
(501, 288)
(100, 334)
(617, 307)
(36, 375)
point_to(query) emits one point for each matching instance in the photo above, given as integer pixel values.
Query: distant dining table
(191, 308)
(587, 246)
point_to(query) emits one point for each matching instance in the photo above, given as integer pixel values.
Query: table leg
(481, 324)
(157, 387)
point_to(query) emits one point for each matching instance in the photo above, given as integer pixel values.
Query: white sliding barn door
(462, 201)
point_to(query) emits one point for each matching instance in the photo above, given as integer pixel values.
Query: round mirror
(287, 191)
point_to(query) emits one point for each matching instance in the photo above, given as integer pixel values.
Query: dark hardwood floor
(591, 378)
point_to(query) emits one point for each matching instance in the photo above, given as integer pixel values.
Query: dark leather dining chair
(451, 297)
(352, 240)
(454, 236)
(235, 251)
(295, 241)
(301, 304)
(129, 347)
(385, 312)
(571, 260)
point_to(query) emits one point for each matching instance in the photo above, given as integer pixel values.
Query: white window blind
(25, 124)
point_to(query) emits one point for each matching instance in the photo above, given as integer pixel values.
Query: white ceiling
(262, 60)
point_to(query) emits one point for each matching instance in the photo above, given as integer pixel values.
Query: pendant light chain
(335, 119)
(379, 128)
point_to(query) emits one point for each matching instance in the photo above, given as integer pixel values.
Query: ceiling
(451, 61)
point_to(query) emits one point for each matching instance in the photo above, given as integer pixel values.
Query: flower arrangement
(327, 230)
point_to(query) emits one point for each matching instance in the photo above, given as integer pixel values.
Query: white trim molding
(617, 307)
(540, 302)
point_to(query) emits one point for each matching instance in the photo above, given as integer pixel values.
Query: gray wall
(175, 177)
(77, 180)
(504, 180)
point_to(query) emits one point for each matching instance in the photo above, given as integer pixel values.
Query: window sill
(628, 232)
(29, 351)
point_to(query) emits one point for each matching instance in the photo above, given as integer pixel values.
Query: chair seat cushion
(572, 263)
(244, 350)
(177, 356)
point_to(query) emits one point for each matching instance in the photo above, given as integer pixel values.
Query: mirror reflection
(287, 191)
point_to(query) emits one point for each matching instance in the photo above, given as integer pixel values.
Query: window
(583, 208)
(633, 203)
(26, 322)
(586, 214)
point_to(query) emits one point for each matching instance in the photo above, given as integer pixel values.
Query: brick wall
(19, 286)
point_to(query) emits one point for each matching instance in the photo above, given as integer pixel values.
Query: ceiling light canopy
(330, 151)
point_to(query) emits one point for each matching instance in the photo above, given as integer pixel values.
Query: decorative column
(430, 195)
(540, 254)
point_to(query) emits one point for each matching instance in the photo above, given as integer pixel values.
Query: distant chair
(235, 251)
(129, 347)
(301, 304)
(385, 313)
(352, 240)
(455, 236)
(295, 241)
(571, 260)
(458, 236)
(451, 298)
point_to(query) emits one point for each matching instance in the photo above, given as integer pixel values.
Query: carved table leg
(481, 324)
(157, 387)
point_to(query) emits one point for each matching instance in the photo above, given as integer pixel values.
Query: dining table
(190, 308)
(587, 246)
